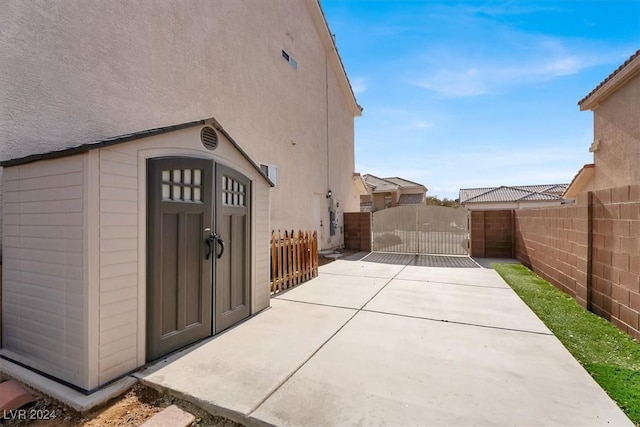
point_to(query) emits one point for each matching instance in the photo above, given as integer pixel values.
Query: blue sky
(478, 93)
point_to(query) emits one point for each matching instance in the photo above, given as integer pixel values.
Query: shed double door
(197, 251)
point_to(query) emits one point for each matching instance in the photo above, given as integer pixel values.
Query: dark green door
(179, 277)
(232, 298)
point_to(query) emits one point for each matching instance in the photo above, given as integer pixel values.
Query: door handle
(210, 242)
(221, 243)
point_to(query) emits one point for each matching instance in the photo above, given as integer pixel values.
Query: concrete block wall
(357, 230)
(589, 250)
(615, 293)
(554, 243)
(492, 234)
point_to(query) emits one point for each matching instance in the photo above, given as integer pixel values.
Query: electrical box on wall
(271, 171)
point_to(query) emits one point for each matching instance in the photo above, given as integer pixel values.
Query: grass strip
(608, 354)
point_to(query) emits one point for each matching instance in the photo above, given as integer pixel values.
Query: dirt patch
(130, 410)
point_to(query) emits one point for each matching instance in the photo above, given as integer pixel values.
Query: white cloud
(477, 78)
(489, 56)
(359, 85)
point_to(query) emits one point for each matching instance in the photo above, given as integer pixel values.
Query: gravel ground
(130, 410)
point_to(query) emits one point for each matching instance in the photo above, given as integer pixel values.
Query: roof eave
(612, 83)
(580, 181)
(322, 26)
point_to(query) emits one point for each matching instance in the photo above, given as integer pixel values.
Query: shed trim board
(114, 245)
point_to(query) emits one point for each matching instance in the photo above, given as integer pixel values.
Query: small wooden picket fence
(294, 259)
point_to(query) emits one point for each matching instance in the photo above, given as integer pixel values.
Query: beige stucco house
(268, 71)
(615, 103)
(512, 197)
(148, 149)
(382, 193)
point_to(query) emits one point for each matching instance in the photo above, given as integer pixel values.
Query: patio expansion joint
(455, 284)
(359, 275)
(432, 319)
(318, 304)
(276, 388)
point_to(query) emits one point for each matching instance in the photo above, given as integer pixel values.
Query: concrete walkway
(378, 344)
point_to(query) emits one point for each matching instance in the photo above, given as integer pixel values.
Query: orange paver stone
(13, 396)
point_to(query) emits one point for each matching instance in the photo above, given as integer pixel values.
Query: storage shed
(119, 252)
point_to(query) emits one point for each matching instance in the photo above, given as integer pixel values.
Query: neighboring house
(120, 200)
(384, 193)
(615, 103)
(514, 197)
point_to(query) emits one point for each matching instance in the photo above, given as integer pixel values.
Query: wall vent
(209, 138)
(290, 60)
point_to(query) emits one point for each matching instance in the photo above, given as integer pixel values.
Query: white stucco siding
(81, 72)
(118, 320)
(1, 199)
(43, 267)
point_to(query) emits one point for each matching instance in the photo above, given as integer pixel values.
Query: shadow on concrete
(355, 257)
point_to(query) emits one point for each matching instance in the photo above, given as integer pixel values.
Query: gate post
(417, 235)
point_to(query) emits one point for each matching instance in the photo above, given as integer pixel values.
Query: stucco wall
(617, 127)
(76, 71)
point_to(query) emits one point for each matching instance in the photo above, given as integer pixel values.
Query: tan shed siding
(1, 198)
(262, 260)
(43, 285)
(118, 263)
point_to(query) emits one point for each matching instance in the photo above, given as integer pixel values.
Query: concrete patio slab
(336, 290)
(460, 276)
(391, 370)
(485, 306)
(361, 269)
(308, 362)
(230, 375)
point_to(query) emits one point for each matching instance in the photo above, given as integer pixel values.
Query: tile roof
(403, 182)
(513, 193)
(610, 76)
(379, 184)
(389, 184)
(411, 199)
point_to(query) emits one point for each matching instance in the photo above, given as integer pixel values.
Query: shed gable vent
(209, 138)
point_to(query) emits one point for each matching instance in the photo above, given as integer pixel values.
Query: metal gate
(421, 229)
